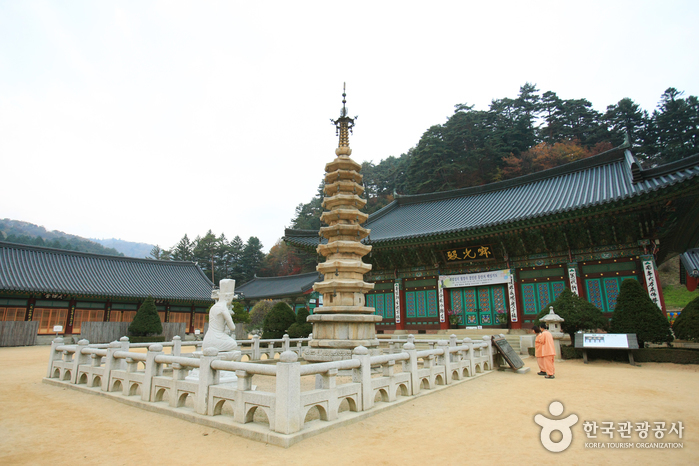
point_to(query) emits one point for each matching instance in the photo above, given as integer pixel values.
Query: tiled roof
(278, 287)
(48, 270)
(607, 178)
(690, 262)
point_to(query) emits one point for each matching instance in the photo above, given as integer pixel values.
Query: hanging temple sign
(344, 321)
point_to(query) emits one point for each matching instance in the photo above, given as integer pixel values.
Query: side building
(295, 290)
(57, 287)
(496, 255)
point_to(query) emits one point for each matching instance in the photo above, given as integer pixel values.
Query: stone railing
(256, 348)
(154, 376)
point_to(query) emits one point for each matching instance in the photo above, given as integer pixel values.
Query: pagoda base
(336, 335)
(329, 354)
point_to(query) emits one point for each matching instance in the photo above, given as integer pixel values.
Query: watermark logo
(549, 426)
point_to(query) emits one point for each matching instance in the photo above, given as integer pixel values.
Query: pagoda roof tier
(342, 163)
(36, 269)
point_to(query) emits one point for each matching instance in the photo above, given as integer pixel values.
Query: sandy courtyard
(488, 420)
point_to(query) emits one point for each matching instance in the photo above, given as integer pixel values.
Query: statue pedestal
(227, 377)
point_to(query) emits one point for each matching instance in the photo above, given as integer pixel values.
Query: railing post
(285, 343)
(176, 345)
(256, 355)
(446, 361)
(55, 355)
(412, 367)
(270, 350)
(110, 363)
(489, 350)
(125, 345)
(207, 377)
(79, 358)
(471, 356)
(362, 375)
(151, 370)
(287, 413)
(328, 382)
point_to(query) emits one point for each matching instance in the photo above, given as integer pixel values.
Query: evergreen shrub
(240, 315)
(259, 312)
(277, 321)
(579, 314)
(686, 326)
(146, 321)
(301, 328)
(636, 313)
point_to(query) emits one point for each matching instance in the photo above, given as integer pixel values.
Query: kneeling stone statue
(221, 325)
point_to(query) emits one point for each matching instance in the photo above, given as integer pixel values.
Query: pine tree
(252, 258)
(636, 313)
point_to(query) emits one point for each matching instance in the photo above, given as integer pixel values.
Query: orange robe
(545, 351)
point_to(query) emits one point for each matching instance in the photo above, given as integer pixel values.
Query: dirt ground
(490, 419)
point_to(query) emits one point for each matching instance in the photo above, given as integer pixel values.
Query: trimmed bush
(277, 321)
(636, 313)
(301, 328)
(686, 326)
(146, 321)
(240, 315)
(258, 313)
(579, 314)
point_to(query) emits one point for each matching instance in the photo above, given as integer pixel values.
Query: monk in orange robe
(545, 351)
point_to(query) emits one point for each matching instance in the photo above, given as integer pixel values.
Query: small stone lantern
(553, 321)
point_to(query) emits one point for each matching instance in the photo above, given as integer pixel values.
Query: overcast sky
(146, 120)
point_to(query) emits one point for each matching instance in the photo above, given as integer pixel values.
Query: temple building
(66, 288)
(496, 255)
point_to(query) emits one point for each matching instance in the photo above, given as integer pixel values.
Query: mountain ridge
(21, 232)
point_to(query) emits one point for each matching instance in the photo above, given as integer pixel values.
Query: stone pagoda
(343, 322)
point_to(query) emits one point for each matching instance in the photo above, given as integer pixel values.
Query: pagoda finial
(343, 125)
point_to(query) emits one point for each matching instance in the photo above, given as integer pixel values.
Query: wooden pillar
(516, 299)
(401, 298)
(447, 306)
(30, 309)
(70, 317)
(108, 311)
(520, 305)
(191, 319)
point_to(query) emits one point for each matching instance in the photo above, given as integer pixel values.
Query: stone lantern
(553, 322)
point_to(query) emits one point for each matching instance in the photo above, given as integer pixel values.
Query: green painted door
(481, 305)
(602, 292)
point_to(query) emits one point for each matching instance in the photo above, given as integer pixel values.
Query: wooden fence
(18, 333)
(106, 332)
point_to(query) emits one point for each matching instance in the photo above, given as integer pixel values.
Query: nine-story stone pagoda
(344, 321)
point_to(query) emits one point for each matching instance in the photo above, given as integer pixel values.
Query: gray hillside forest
(517, 136)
